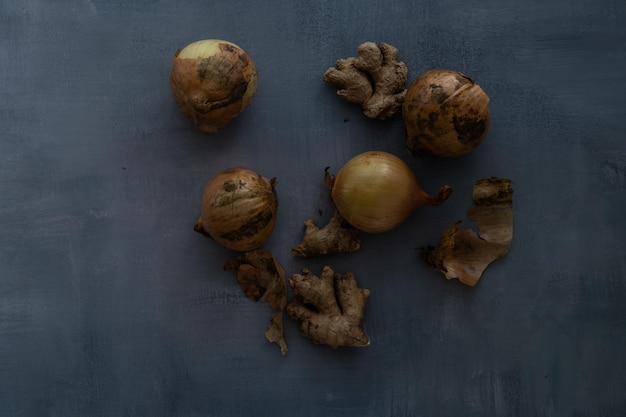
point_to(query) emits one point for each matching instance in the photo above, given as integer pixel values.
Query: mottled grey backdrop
(110, 304)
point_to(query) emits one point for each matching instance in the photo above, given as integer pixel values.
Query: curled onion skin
(239, 209)
(212, 81)
(377, 191)
(445, 114)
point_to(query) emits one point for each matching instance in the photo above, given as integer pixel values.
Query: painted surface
(110, 304)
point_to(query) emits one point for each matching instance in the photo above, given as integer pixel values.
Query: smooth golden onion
(445, 114)
(212, 81)
(238, 209)
(377, 191)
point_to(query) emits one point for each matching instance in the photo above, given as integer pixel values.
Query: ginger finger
(375, 79)
(338, 236)
(329, 308)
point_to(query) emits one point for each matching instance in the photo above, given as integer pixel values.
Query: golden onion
(212, 81)
(377, 191)
(238, 209)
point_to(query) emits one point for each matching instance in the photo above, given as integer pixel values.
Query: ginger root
(329, 308)
(261, 277)
(334, 238)
(463, 254)
(375, 79)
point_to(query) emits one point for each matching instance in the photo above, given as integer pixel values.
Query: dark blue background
(110, 304)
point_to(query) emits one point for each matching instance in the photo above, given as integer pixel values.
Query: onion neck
(425, 199)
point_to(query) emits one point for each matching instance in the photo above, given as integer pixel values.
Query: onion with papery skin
(238, 209)
(377, 191)
(445, 114)
(212, 81)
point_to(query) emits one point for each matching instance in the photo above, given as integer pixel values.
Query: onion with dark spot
(445, 114)
(238, 209)
(212, 81)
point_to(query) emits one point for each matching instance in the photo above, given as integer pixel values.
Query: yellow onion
(377, 191)
(212, 81)
(238, 209)
(445, 114)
